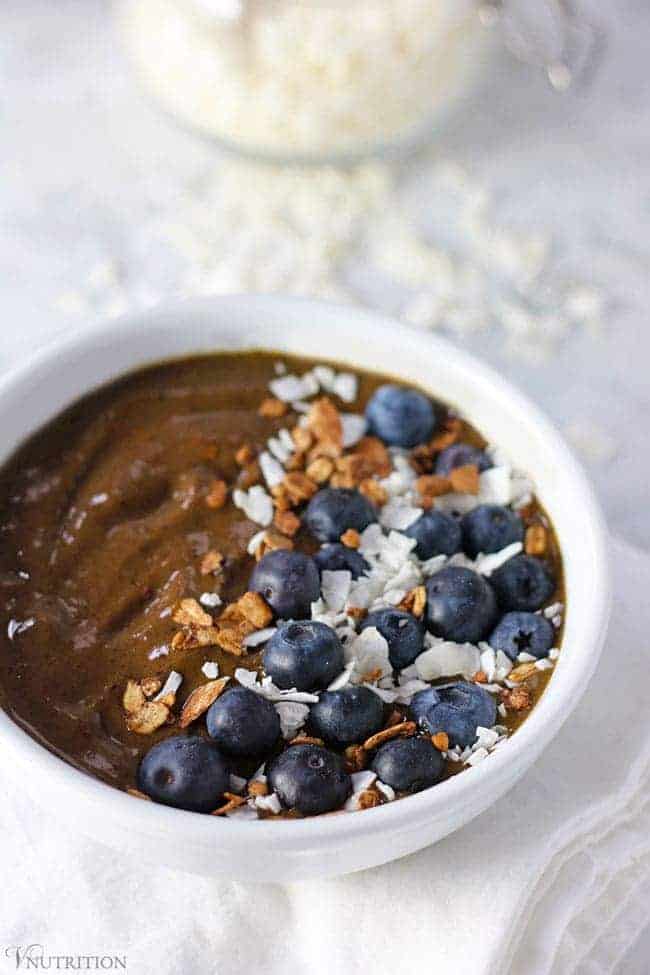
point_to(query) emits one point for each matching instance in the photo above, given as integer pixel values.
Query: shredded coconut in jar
(320, 77)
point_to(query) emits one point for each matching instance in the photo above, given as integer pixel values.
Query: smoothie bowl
(288, 590)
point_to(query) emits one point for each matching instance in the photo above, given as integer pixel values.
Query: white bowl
(297, 849)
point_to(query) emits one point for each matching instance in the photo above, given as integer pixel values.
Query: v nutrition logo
(35, 958)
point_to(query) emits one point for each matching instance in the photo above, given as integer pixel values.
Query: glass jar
(307, 80)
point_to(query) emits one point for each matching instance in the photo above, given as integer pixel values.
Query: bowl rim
(530, 739)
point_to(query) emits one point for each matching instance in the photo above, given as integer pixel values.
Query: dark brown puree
(104, 522)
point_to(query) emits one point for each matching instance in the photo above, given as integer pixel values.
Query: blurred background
(515, 223)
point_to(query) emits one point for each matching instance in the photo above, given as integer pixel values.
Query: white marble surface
(79, 143)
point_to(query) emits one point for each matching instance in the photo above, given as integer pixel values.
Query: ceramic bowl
(292, 850)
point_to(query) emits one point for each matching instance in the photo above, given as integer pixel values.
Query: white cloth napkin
(552, 880)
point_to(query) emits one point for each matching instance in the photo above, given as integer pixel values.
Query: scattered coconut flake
(544, 664)
(386, 790)
(272, 470)
(387, 695)
(345, 386)
(343, 678)
(372, 539)
(354, 428)
(399, 514)
(285, 438)
(269, 803)
(502, 709)
(279, 450)
(553, 610)
(362, 780)
(290, 387)
(255, 503)
(369, 650)
(266, 687)
(553, 654)
(292, 716)
(485, 738)
(488, 661)
(335, 588)
(526, 658)
(434, 564)
(157, 652)
(210, 599)
(16, 627)
(325, 377)
(477, 756)
(504, 665)
(495, 486)
(255, 542)
(170, 686)
(210, 669)
(487, 564)
(447, 659)
(259, 636)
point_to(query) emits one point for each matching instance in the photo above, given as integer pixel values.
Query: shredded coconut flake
(255, 503)
(292, 716)
(210, 669)
(290, 387)
(487, 564)
(335, 588)
(269, 803)
(272, 470)
(170, 686)
(258, 637)
(266, 687)
(386, 790)
(369, 651)
(446, 659)
(210, 599)
(354, 427)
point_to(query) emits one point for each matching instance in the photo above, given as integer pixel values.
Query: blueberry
(289, 582)
(408, 764)
(310, 779)
(523, 633)
(347, 717)
(461, 605)
(186, 772)
(523, 582)
(303, 654)
(243, 723)
(403, 633)
(338, 557)
(457, 709)
(459, 455)
(400, 417)
(489, 528)
(333, 510)
(436, 533)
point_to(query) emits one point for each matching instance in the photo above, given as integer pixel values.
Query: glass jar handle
(550, 34)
